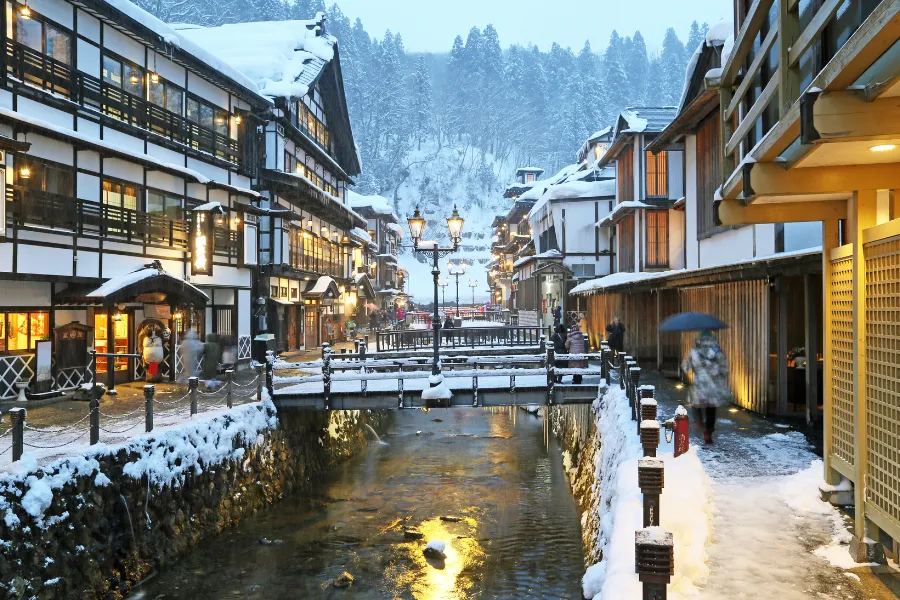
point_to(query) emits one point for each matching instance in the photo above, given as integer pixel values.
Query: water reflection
(514, 531)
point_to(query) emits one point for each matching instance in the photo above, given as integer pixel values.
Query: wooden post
(94, 408)
(149, 391)
(259, 382)
(782, 348)
(651, 476)
(193, 384)
(789, 76)
(551, 370)
(654, 558)
(229, 387)
(270, 373)
(362, 352)
(326, 374)
(812, 349)
(17, 422)
(659, 348)
(861, 217)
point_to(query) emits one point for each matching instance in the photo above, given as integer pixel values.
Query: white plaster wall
(88, 127)
(25, 293)
(50, 149)
(196, 190)
(204, 89)
(798, 236)
(124, 140)
(580, 227)
(120, 169)
(123, 46)
(167, 69)
(692, 248)
(727, 247)
(44, 261)
(244, 312)
(89, 160)
(88, 58)
(45, 113)
(6, 102)
(66, 316)
(676, 175)
(88, 187)
(165, 182)
(164, 154)
(117, 264)
(88, 26)
(765, 239)
(6, 254)
(56, 10)
(88, 264)
(211, 171)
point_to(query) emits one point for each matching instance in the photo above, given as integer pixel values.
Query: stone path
(762, 546)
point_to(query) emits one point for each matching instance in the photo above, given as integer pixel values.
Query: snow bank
(164, 457)
(686, 509)
(438, 392)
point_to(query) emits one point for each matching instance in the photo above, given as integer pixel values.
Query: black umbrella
(692, 321)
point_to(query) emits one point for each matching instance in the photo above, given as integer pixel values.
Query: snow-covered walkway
(772, 536)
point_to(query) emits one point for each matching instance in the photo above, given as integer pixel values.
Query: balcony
(89, 92)
(54, 211)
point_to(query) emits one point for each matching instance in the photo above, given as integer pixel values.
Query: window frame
(658, 180)
(35, 162)
(166, 196)
(32, 341)
(656, 230)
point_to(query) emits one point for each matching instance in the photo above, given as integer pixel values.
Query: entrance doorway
(312, 328)
(111, 335)
(293, 340)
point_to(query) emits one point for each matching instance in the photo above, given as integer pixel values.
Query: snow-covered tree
(421, 101)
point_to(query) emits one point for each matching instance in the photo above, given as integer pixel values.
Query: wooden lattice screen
(882, 338)
(744, 306)
(840, 315)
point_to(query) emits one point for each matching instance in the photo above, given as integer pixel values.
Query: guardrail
(462, 337)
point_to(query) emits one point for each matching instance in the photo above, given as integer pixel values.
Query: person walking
(375, 321)
(575, 345)
(558, 339)
(710, 388)
(447, 327)
(616, 336)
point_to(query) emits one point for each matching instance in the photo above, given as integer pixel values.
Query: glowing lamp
(154, 77)
(416, 225)
(455, 225)
(25, 13)
(25, 172)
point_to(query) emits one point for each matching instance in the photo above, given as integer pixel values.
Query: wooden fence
(463, 337)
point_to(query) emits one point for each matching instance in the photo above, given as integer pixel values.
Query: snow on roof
(553, 253)
(397, 229)
(322, 285)
(599, 134)
(283, 58)
(635, 122)
(334, 199)
(122, 281)
(379, 204)
(645, 119)
(529, 170)
(176, 38)
(209, 207)
(615, 279)
(361, 234)
(719, 32)
(574, 189)
(688, 71)
(621, 206)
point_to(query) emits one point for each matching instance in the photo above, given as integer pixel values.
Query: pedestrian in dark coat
(616, 335)
(710, 388)
(575, 345)
(558, 339)
(448, 326)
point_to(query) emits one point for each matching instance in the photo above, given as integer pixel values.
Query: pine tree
(637, 67)
(615, 92)
(695, 37)
(422, 104)
(673, 62)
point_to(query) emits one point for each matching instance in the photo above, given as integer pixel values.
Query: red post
(682, 431)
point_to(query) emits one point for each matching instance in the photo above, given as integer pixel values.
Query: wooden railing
(463, 337)
(28, 207)
(744, 93)
(43, 71)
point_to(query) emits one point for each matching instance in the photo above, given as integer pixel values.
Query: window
(123, 75)
(583, 271)
(159, 203)
(529, 177)
(657, 175)
(290, 163)
(46, 176)
(117, 196)
(311, 119)
(657, 238)
(200, 113)
(47, 42)
(168, 96)
(21, 331)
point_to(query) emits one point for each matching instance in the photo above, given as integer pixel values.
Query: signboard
(528, 318)
(202, 242)
(157, 311)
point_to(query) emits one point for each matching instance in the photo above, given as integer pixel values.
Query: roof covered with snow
(283, 58)
(646, 119)
(377, 205)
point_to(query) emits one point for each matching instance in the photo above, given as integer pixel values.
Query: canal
(514, 528)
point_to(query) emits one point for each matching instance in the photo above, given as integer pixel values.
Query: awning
(362, 282)
(280, 301)
(325, 287)
(149, 285)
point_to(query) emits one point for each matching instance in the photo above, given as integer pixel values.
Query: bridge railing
(337, 368)
(461, 337)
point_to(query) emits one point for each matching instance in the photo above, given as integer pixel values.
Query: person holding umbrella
(709, 365)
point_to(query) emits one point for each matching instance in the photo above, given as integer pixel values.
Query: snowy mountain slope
(435, 178)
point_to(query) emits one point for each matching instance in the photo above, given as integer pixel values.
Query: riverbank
(93, 525)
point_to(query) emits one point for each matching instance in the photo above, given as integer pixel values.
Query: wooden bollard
(229, 387)
(259, 382)
(654, 560)
(650, 437)
(149, 391)
(17, 422)
(623, 358)
(193, 384)
(634, 379)
(94, 407)
(651, 473)
(647, 406)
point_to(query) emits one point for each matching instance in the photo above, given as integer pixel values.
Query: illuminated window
(657, 238)
(20, 332)
(657, 175)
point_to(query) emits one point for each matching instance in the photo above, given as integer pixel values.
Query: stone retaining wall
(94, 525)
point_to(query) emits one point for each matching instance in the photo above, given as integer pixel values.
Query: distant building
(383, 228)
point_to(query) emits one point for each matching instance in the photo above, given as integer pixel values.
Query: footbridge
(476, 377)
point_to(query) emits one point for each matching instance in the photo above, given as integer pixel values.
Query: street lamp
(473, 285)
(416, 229)
(444, 283)
(457, 269)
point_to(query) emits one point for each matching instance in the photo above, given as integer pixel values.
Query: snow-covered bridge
(520, 376)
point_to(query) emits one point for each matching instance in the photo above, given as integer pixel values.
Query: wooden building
(810, 133)
(120, 150)
(383, 228)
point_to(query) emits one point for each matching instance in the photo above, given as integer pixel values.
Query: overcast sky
(431, 25)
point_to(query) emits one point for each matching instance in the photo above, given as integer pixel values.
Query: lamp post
(457, 269)
(416, 228)
(473, 285)
(444, 283)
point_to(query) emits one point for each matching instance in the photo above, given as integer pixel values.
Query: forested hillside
(442, 128)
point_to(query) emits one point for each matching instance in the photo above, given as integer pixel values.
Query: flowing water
(517, 534)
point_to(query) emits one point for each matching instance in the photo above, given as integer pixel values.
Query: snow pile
(686, 509)
(378, 204)
(438, 392)
(636, 124)
(619, 278)
(282, 57)
(719, 32)
(801, 492)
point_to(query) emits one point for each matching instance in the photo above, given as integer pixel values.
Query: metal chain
(5, 451)
(249, 394)
(5, 433)
(114, 431)
(171, 403)
(72, 441)
(125, 416)
(248, 384)
(212, 393)
(62, 429)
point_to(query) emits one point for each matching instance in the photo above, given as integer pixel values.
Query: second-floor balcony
(44, 72)
(86, 218)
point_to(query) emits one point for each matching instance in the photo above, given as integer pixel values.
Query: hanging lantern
(134, 79)
(25, 12)
(237, 119)
(25, 172)
(154, 77)
(455, 225)
(416, 225)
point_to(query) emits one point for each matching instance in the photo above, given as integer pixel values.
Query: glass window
(22, 331)
(46, 176)
(657, 177)
(174, 99)
(17, 337)
(134, 80)
(206, 116)
(157, 93)
(221, 122)
(112, 71)
(164, 204)
(120, 195)
(59, 45)
(657, 238)
(29, 32)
